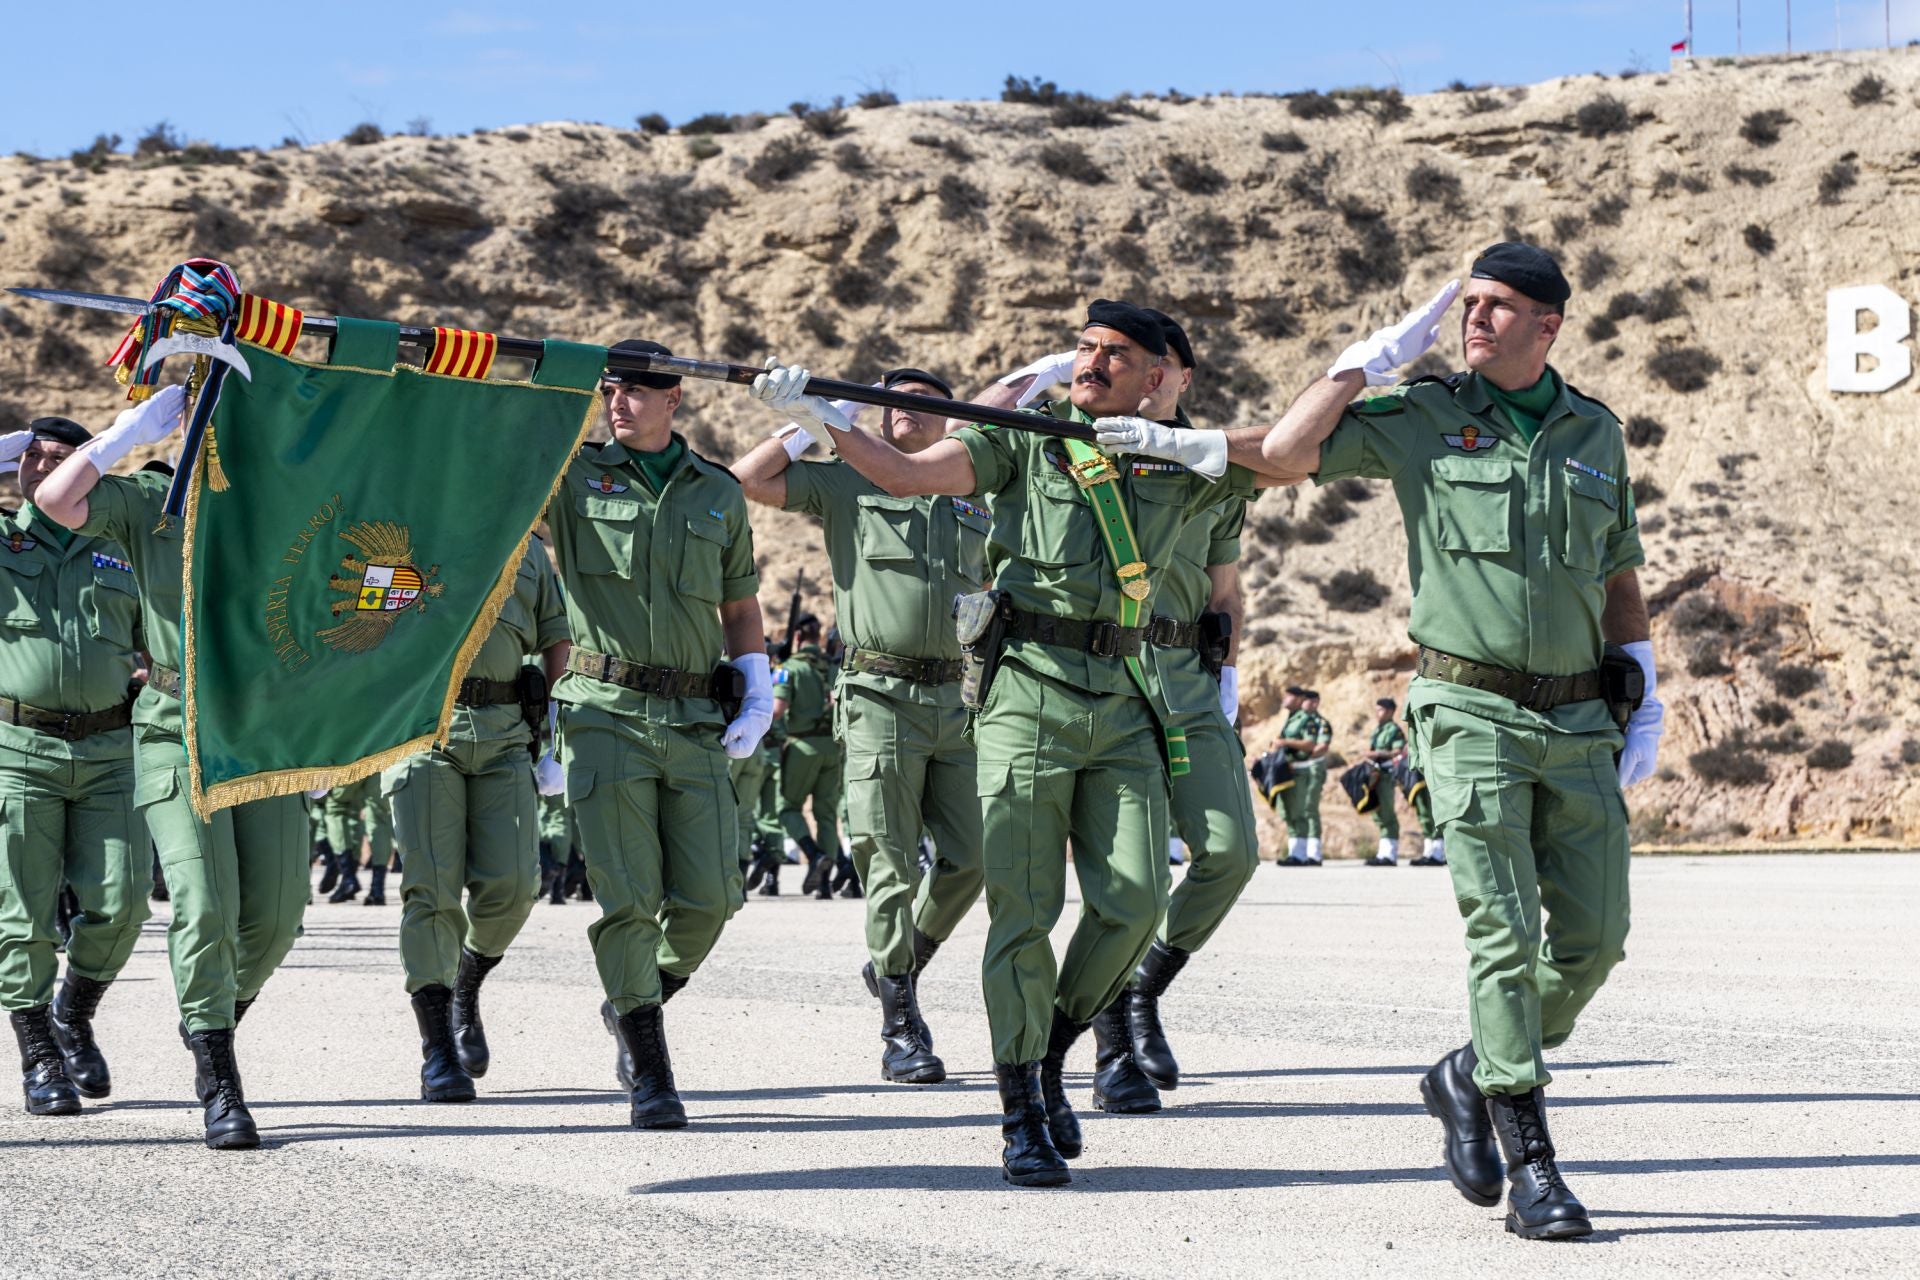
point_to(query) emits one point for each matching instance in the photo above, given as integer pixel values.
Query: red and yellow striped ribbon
(269, 324)
(462, 353)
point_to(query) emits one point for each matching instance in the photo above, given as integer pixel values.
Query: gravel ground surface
(1740, 1100)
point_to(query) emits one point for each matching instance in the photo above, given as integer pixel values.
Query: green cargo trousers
(749, 776)
(238, 884)
(1301, 801)
(910, 768)
(467, 816)
(556, 826)
(1532, 819)
(811, 768)
(356, 810)
(68, 820)
(1057, 765)
(658, 825)
(1212, 811)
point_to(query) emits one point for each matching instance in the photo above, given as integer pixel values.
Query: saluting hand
(13, 444)
(1387, 349)
(148, 422)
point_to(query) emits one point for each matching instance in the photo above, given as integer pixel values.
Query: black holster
(728, 687)
(1216, 639)
(980, 624)
(1623, 684)
(530, 685)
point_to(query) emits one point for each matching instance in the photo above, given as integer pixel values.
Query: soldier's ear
(1550, 325)
(673, 398)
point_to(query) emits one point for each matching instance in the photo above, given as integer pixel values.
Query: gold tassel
(216, 474)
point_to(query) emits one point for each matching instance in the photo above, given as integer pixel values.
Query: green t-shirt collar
(32, 515)
(1528, 410)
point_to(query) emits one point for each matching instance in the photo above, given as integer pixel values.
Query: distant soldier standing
(468, 815)
(66, 779)
(810, 765)
(1388, 751)
(356, 814)
(238, 882)
(898, 563)
(1306, 738)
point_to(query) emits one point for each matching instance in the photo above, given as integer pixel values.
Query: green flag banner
(352, 530)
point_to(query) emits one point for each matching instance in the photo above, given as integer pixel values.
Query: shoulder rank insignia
(1471, 438)
(966, 508)
(604, 483)
(101, 560)
(17, 542)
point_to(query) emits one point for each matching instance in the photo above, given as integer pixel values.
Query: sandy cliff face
(1702, 216)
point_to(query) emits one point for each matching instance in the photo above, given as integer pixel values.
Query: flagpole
(1789, 26)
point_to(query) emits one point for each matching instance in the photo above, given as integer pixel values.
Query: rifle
(794, 610)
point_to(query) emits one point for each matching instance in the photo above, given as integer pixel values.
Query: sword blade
(92, 301)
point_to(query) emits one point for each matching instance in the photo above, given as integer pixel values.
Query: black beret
(1136, 322)
(894, 377)
(1296, 691)
(60, 431)
(1175, 335)
(805, 621)
(640, 346)
(1532, 271)
(1388, 703)
(1313, 695)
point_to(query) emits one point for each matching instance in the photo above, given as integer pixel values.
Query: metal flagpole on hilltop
(1789, 26)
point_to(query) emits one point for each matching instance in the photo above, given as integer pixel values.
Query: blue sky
(256, 73)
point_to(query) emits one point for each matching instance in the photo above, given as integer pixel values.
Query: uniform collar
(1474, 396)
(613, 454)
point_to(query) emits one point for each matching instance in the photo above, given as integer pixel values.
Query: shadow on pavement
(1683, 1224)
(986, 1177)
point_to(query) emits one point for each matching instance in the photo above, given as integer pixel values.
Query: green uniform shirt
(1509, 543)
(532, 620)
(1312, 727)
(897, 563)
(71, 618)
(1209, 539)
(1045, 545)
(1388, 737)
(646, 573)
(805, 683)
(126, 510)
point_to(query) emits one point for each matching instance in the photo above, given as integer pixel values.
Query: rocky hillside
(1702, 215)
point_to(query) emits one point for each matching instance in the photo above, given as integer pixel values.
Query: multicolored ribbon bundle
(198, 296)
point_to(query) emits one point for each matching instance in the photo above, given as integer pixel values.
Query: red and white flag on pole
(1679, 46)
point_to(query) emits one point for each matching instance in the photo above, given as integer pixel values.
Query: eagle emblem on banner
(376, 586)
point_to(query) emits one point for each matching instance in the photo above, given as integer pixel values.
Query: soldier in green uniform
(657, 560)
(239, 882)
(897, 564)
(357, 816)
(1212, 807)
(1388, 749)
(466, 813)
(1305, 737)
(1070, 745)
(66, 778)
(1522, 545)
(810, 765)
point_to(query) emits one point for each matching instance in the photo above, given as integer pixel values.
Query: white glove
(1047, 372)
(1204, 452)
(784, 387)
(548, 777)
(796, 439)
(1230, 693)
(148, 422)
(1648, 723)
(742, 737)
(1395, 345)
(13, 444)
(318, 793)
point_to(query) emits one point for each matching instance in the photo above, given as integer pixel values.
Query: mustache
(1096, 377)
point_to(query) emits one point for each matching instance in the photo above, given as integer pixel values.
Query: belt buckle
(1103, 640)
(69, 723)
(1538, 700)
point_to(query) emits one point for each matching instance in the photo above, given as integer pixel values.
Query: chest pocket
(1591, 506)
(112, 607)
(701, 575)
(20, 586)
(1059, 525)
(603, 536)
(890, 528)
(970, 548)
(1473, 501)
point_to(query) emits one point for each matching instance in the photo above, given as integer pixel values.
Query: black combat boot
(228, 1123)
(1062, 1124)
(577, 884)
(442, 1077)
(43, 1074)
(1027, 1154)
(904, 1057)
(558, 895)
(65, 908)
(1452, 1098)
(819, 866)
(1539, 1206)
(202, 1086)
(160, 892)
(670, 986)
(1150, 982)
(469, 1033)
(349, 887)
(923, 949)
(1119, 1085)
(655, 1102)
(770, 887)
(756, 862)
(846, 881)
(329, 864)
(548, 869)
(71, 1020)
(377, 892)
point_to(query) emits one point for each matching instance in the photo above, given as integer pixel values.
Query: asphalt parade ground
(1740, 1100)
